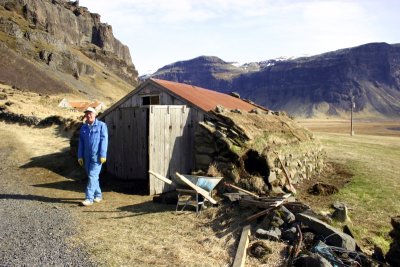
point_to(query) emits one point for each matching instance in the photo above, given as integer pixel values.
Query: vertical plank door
(170, 147)
(128, 148)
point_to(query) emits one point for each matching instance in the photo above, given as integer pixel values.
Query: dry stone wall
(244, 148)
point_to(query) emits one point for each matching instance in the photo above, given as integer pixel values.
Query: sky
(161, 32)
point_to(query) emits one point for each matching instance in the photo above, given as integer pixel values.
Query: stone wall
(244, 148)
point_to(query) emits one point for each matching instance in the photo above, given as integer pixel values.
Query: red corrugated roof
(81, 105)
(205, 99)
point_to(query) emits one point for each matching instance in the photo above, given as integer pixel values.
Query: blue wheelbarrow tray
(205, 182)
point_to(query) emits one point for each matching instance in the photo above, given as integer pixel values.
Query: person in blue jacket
(92, 153)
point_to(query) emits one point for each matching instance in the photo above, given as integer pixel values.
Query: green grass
(374, 192)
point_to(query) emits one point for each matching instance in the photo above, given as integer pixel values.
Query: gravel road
(34, 230)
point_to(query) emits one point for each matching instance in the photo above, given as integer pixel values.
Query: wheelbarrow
(193, 186)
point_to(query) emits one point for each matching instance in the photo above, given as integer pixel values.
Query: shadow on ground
(147, 207)
(65, 165)
(61, 163)
(107, 184)
(69, 185)
(40, 198)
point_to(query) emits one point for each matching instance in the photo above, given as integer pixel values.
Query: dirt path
(34, 230)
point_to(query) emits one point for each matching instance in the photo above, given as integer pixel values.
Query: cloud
(164, 31)
(180, 10)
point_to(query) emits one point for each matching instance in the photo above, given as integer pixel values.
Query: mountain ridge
(319, 85)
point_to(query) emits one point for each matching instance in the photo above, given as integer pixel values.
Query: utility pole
(351, 118)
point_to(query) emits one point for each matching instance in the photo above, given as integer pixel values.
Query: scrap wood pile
(310, 239)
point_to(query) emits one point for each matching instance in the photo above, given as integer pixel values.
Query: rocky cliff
(308, 86)
(65, 44)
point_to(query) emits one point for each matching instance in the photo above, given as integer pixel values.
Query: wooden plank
(255, 203)
(119, 143)
(152, 156)
(199, 190)
(143, 142)
(127, 132)
(176, 156)
(190, 132)
(240, 257)
(186, 140)
(276, 198)
(259, 214)
(161, 114)
(162, 178)
(135, 170)
(242, 190)
(264, 212)
(158, 143)
(129, 161)
(167, 145)
(110, 152)
(291, 187)
(156, 149)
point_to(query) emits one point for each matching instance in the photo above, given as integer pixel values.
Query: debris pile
(310, 239)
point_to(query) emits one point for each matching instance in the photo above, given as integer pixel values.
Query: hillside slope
(320, 85)
(57, 47)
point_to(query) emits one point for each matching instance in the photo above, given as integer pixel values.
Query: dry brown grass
(129, 229)
(35, 104)
(360, 127)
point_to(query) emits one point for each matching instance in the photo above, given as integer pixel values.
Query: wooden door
(171, 136)
(128, 147)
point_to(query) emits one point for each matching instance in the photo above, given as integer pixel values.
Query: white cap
(90, 109)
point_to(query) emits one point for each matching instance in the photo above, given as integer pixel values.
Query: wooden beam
(266, 211)
(255, 203)
(240, 257)
(162, 178)
(291, 187)
(261, 213)
(276, 198)
(242, 190)
(199, 190)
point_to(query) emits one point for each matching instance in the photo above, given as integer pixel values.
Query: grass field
(372, 155)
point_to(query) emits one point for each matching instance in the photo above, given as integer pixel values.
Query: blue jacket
(93, 142)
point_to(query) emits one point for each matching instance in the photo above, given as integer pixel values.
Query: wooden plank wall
(165, 98)
(128, 147)
(162, 141)
(171, 135)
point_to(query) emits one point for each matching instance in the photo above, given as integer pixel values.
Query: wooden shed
(153, 127)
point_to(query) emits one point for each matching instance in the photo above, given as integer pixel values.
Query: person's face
(90, 117)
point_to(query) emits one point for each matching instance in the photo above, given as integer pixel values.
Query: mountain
(58, 47)
(320, 85)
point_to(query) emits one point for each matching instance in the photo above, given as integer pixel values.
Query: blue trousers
(93, 187)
